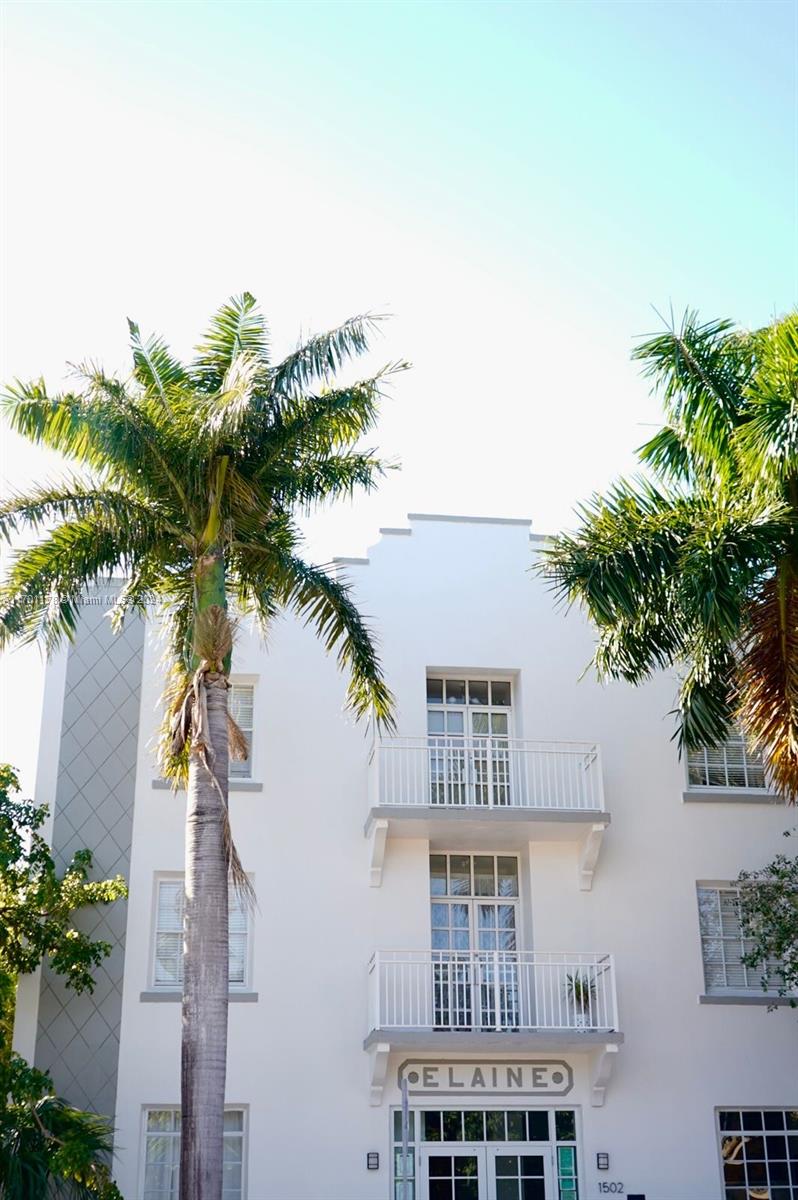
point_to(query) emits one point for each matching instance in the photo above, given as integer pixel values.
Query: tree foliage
(769, 920)
(47, 1148)
(37, 904)
(694, 564)
(181, 460)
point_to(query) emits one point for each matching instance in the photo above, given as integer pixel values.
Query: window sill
(164, 997)
(756, 999)
(234, 785)
(712, 795)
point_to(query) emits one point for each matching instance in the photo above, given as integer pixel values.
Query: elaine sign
(497, 1077)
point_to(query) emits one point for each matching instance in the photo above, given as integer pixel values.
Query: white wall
(456, 595)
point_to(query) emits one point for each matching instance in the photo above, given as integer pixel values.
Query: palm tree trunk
(205, 952)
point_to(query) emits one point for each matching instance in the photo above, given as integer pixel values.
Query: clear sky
(518, 183)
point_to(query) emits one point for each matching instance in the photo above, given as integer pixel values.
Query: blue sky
(517, 183)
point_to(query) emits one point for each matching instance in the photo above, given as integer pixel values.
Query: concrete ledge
(516, 1042)
(155, 997)
(398, 532)
(343, 561)
(757, 1001)
(729, 796)
(235, 785)
(489, 812)
(469, 520)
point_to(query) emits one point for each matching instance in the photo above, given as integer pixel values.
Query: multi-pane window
(468, 727)
(759, 1153)
(731, 764)
(162, 1154)
(474, 937)
(492, 1127)
(168, 963)
(241, 706)
(723, 942)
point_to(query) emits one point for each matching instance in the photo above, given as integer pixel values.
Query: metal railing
(484, 772)
(491, 990)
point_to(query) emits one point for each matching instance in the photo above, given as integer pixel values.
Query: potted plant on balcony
(580, 990)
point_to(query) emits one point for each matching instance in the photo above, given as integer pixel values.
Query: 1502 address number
(616, 1189)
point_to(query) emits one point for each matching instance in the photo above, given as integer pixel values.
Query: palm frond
(325, 603)
(668, 453)
(333, 419)
(40, 597)
(323, 355)
(767, 677)
(153, 365)
(75, 498)
(701, 372)
(237, 327)
(337, 476)
(104, 428)
(769, 439)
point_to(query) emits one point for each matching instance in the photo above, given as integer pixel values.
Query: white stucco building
(520, 904)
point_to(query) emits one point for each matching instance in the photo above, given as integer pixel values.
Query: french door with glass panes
(520, 1173)
(453, 1173)
(509, 1172)
(474, 938)
(468, 730)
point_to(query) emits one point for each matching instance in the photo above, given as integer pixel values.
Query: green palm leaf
(696, 568)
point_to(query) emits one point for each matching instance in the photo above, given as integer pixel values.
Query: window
(168, 964)
(162, 1154)
(723, 943)
(759, 1153)
(731, 764)
(468, 727)
(474, 939)
(241, 706)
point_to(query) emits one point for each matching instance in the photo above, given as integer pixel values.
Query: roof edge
(469, 520)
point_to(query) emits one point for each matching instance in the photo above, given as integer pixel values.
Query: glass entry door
(520, 1173)
(453, 1173)
(509, 1172)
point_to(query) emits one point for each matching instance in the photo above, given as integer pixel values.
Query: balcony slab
(516, 1041)
(497, 827)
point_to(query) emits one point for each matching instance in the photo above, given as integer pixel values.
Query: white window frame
(704, 751)
(472, 900)
(720, 1134)
(244, 772)
(168, 986)
(753, 976)
(175, 1108)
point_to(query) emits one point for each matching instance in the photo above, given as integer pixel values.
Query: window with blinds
(168, 956)
(731, 764)
(162, 1154)
(723, 943)
(241, 706)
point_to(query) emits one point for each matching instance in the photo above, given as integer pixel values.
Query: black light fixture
(603, 1161)
(372, 1160)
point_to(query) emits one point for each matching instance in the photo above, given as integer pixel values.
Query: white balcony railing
(490, 991)
(486, 772)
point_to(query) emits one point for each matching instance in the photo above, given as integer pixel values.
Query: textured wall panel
(78, 1036)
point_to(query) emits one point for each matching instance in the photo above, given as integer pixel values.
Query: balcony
(508, 1001)
(488, 791)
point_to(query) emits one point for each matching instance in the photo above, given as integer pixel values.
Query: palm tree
(192, 478)
(695, 565)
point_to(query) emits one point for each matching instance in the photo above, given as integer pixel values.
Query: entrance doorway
(486, 1154)
(510, 1172)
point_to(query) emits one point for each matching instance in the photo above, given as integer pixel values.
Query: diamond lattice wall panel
(78, 1036)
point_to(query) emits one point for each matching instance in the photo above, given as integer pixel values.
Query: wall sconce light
(603, 1161)
(372, 1160)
